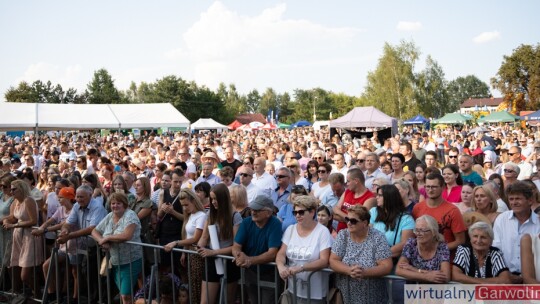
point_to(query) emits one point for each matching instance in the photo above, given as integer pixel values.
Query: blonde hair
(21, 186)
(491, 196)
(307, 201)
(192, 198)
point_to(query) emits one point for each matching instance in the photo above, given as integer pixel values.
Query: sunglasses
(281, 176)
(360, 160)
(247, 163)
(321, 171)
(352, 221)
(299, 212)
(291, 167)
(317, 157)
(511, 154)
(508, 171)
(244, 174)
(452, 156)
(327, 150)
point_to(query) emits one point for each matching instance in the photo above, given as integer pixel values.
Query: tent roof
(363, 117)
(27, 116)
(502, 116)
(532, 116)
(452, 118)
(208, 124)
(418, 119)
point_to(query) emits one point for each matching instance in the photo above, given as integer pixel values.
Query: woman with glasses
(322, 187)
(285, 212)
(27, 250)
(361, 256)
(425, 258)
(82, 165)
(479, 262)
(305, 248)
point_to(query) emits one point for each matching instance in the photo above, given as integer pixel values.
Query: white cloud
(224, 46)
(409, 26)
(67, 77)
(487, 37)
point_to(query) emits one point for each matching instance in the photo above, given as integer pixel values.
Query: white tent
(208, 124)
(320, 123)
(29, 116)
(365, 117)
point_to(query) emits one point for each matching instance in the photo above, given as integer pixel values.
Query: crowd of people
(430, 206)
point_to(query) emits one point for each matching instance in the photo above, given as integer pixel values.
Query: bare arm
(144, 212)
(527, 261)
(459, 239)
(398, 248)
(459, 276)
(126, 235)
(338, 214)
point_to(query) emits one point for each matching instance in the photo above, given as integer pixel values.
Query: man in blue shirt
(280, 195)
(468, 175)
(256, 243)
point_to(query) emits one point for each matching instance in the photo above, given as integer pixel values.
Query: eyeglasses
(509, 171)
(429, 187)
(360, 160)
(281, 176)
(321, 171)
(452, 156)
(299, 212)
(511, 154)
(317, 157)
(327, 150)
(79, 161)
(291, 167)
(421, 231)
(244, 175)
(352, 221)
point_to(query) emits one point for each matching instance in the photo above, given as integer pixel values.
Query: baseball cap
(260, 202)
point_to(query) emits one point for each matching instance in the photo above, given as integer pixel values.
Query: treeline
(392, 87)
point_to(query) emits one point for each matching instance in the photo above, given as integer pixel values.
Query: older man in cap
(256, 243)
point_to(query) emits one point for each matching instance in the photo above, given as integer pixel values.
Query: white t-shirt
(319, 192)
(196, 221)
(302, 250)
(52, 205)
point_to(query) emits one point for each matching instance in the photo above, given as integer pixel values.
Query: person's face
(453, 157)
(515, 156)
(339, 161)
(323, 218)
(213, 200)
(313, 170)
(396, 163)
(270, 170)
(480, 240)
(229, 153)
(302, 214)
(386, 169)
(117, 207)
(283, 178)
(419, 172)
(449, 176)
(258, 165)
(323, 173)
(433, 189)
(466, 193)
(423, 233)
(260, 216)
(245, 177)
(430, 160)
(271, 154)
(337, 189)
(379, 197)
(83, 198)
(207, 169)
(415, 144)
(403, 150)
(509, 173)
(482, 200)
(409, 179)
(519, 203)
(176, 182)
(371, 163)
(187, 206)
(318, 158)
(465, 164)
(354, 224)
(183, 298)
(498, 182)
(139, 189)
(64, 202)
(183, 154)
(227, 180)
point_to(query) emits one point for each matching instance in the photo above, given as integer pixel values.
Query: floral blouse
(410, 251)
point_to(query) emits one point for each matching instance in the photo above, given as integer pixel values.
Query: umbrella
(256, 125)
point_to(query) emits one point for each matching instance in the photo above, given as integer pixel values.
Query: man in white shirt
(271, 154)
(339, 165)
(246, 175)
(511, 225)
(261, 178)
(184, 155)
(372, 169)
(525, 168)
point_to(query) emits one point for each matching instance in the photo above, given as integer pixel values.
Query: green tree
(463, 88)
(391, 87)
(518, 77)
(22, 93)
(431, 95)
(269, 101)
(102, 89)
(253, 99)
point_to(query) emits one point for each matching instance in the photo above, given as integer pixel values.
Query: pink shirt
(454, 196)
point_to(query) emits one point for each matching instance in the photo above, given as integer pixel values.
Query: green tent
(283, 125)
(502, 116)
(452, 118)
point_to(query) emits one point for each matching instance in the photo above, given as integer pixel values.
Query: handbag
(105, 266)
(286, 297)
(334, 296)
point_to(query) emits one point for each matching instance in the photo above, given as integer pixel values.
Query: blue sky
(253, 44)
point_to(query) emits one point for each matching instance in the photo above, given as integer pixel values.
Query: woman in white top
(530, 259)
(306, 248)
(192, 229)
(322, 187)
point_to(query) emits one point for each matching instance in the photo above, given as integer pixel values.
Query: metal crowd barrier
(102, 289)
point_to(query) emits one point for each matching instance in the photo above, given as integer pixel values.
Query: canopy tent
(283, 125)
(320, 123)
(269, 126)
(502, 116)
(300, 124)
(364, 117)
(451, 118)
(234, 125)
(417, 120)
(30, 116)
(208, 124)
(532, 116)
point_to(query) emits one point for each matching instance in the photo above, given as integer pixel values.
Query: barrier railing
(85, 267)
